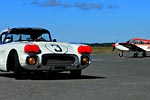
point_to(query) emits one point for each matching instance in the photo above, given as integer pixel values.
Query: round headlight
(32, 61)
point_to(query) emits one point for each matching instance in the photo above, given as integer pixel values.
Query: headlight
(84, 60)
(32, 60)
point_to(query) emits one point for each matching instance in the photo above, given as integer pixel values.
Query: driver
(36, 37)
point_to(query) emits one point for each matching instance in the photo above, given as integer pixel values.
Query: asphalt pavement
(109, 77)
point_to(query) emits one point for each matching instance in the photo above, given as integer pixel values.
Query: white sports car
(32, 49)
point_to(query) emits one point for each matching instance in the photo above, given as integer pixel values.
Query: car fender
(5, 51)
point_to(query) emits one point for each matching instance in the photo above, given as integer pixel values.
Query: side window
(147, 43)
(25, 37)
(45, 37)
(141, 42)
(135, 42)
(16, 37)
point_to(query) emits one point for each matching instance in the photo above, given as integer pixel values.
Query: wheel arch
(10, 60)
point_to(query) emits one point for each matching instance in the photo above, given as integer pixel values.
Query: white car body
(19, 55)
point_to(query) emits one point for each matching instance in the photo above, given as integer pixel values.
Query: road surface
(107, 78)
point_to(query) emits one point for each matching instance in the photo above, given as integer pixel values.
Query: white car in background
(32, 49)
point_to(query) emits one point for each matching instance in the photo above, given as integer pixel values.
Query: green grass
(102, 50)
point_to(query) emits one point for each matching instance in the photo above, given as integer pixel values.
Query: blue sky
(80, 20)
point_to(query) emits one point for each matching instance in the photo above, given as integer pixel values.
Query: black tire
(144, 55)
(135, 55)
(120, 54)
(17, 70)
(76, 73)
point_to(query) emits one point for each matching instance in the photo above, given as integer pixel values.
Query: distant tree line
(99, 44)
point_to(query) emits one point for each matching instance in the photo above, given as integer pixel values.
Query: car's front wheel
(17, 70)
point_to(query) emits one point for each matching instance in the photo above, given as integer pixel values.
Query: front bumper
(56, 62)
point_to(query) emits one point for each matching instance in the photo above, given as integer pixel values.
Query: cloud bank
(81, 5)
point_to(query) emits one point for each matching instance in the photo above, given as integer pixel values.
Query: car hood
(53, 47)
(50, 47)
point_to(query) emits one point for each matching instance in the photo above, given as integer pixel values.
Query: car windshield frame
(15, 35)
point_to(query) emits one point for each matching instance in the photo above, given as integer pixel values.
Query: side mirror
(54, 40)
(8, 39)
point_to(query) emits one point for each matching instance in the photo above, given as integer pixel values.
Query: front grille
(58, 59)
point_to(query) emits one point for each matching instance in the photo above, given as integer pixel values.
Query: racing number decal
(57, 48)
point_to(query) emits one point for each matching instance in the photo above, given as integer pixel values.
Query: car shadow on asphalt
(51, 76)
(133, 57)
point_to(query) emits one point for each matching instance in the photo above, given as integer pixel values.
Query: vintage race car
(32, 49)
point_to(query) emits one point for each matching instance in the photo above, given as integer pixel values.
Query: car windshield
(36, 35)
(28, 37)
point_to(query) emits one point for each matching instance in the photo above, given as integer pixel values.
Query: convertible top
(25, 30)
